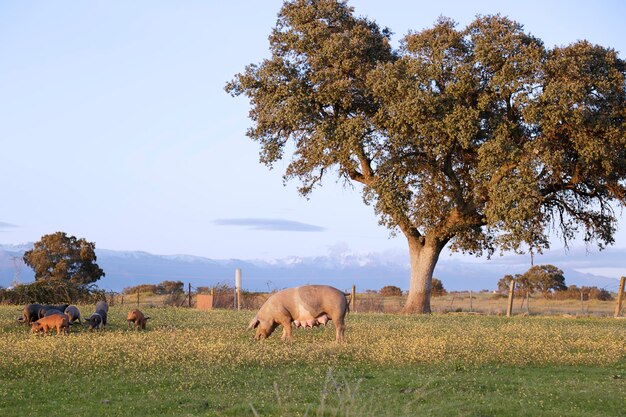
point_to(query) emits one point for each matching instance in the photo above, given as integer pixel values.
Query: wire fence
(222, 297)
(488, 303)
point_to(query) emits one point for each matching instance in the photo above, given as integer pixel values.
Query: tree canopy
(539, 278)
(545, 279)
(60, 257)
(478, 137)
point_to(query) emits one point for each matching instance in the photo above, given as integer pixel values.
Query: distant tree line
(587, 293)
(437, 290)
(549, 281)
(165, 287)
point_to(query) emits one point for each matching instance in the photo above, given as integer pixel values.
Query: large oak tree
(480, 138)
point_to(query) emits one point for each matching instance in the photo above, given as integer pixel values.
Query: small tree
(539, 278)
(545, 279)
(505, 282)
(522, 284)
(61, 257)
(437, 288)
(390, 291)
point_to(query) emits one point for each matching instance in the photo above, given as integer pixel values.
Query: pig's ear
(254, 323)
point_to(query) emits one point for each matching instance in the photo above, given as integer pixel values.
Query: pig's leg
(286, 331)
(340, 327)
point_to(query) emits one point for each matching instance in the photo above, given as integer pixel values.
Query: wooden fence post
(509, 309)
(189, 284)
(137, 297)
(582, 302)
(354, 298)
(620, 297)
(471, 305)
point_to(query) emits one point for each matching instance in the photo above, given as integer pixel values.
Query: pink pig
(306, 306)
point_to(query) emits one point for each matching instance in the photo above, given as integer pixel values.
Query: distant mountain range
(342, 270)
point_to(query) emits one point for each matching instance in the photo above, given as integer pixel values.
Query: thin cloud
(4, 225)
(276, 225)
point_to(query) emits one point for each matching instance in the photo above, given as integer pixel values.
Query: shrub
(390, 291)
(203, 290)
(588, 293)
(437, 289)
(170, 287)
(149, 288)
(51, 292)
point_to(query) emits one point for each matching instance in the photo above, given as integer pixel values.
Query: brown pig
(138, 318)
(306, 306)
(59, 321)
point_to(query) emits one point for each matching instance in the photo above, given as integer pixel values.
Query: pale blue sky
(114, 125)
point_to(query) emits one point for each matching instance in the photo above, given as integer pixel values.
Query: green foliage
(58, 257)
(390, 291)
(313, 93)
(51, 292)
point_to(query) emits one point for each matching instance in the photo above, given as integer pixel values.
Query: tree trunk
(424, 254)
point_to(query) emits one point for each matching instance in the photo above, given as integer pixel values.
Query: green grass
(191, 362)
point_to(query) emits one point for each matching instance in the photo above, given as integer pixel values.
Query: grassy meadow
(205, 363)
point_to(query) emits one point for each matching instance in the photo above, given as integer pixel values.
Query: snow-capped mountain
(341, 269)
